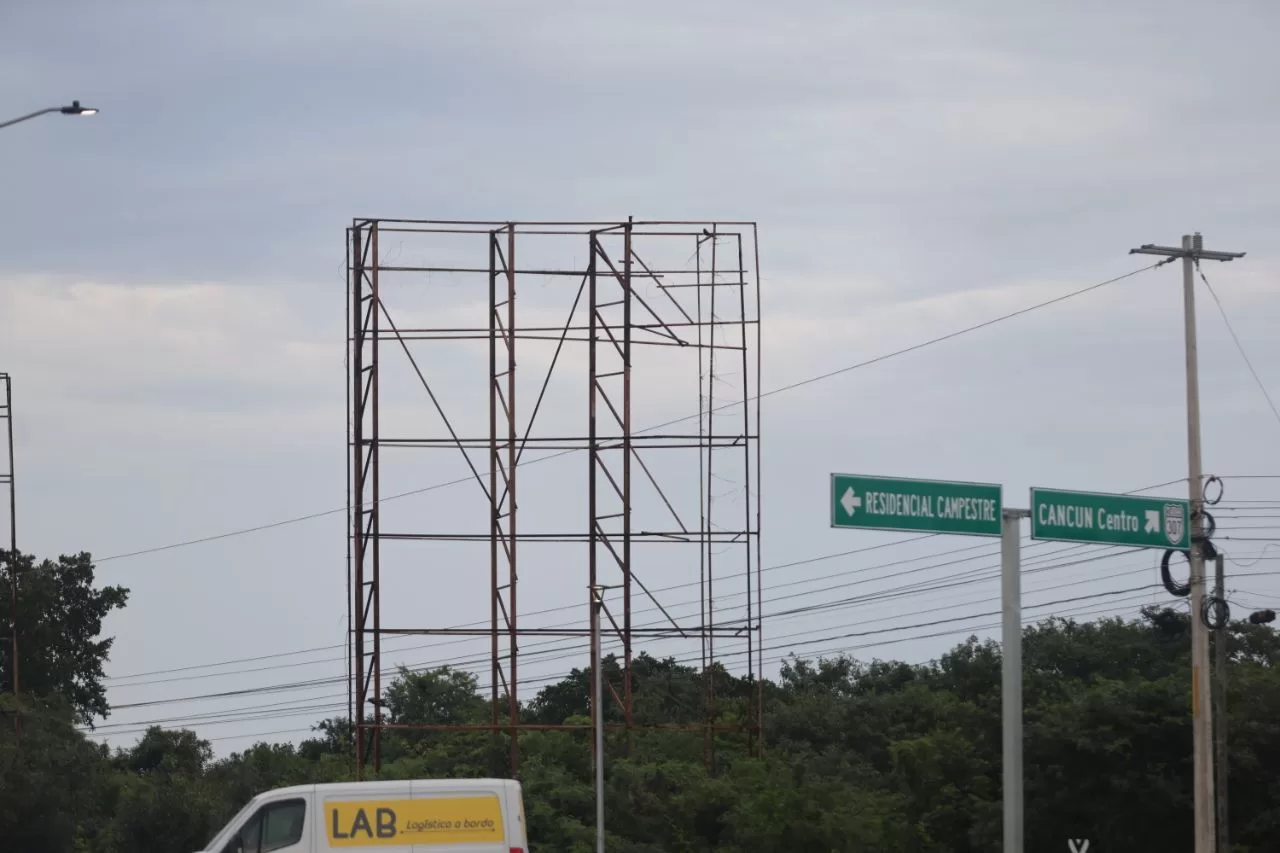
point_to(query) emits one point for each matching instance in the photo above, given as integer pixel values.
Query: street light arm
(74, 110)
(30, 115)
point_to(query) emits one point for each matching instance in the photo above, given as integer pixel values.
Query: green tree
(161, 799)
(879, 756)
(60, 647)
(439, 697)
(52, 781)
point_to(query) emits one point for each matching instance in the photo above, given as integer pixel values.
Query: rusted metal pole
(1221, 649)
(356, 499)
(710, 674)
(747, 399)
(626, 481)
(593, 462)
(495, 499)
(513, 712)
(13, 561)
(375, 591)
(597, 710)
(749, 541)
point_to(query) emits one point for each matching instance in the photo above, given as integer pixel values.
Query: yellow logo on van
(437, 820)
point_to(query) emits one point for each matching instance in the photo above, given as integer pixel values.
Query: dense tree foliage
(879, 756)
(60, 647)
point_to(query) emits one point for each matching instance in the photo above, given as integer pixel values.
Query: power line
(276, 710)
(761, 396)
(261, 712)
(478, 660)
(1064, 297)
(294, 707)
(776, 658)
(562, 651)
(872, 597)
(312, 729)
(1239, 346)
(557, 647)
(287, 708)
(255, 710)
(881, 594)
(562, 608)
(558, 651)
(559, 609)
(671, 606)
(855, 634)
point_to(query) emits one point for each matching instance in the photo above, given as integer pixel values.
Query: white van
(436, 815)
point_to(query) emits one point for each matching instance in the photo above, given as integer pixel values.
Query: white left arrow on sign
(850, 501)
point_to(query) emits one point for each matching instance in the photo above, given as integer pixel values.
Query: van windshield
(215, 843)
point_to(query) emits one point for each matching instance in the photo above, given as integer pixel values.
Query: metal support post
(597, 710)
(1011, 675)
(1223, 637)
(12, 561)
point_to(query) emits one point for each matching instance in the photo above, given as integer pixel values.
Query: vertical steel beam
(347, 333)
(12, 561)
(626, 477)
(375, 591)
(513, 675)
(759, 468)
(356, 498)
(710, 673)
(752, 645)
(703, 496)
(363, 502)
(495, 464)
(593, 462)
(503, 436)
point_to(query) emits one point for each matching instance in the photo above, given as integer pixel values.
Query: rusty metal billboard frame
(709, 306)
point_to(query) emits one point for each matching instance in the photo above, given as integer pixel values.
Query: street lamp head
(76, 110)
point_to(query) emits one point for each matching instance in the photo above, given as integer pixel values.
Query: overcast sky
(172, 286)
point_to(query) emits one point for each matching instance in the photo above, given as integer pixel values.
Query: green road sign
(928, 506)
(1132, 520)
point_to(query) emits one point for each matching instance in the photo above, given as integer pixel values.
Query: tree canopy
(61, 650)
(858, 755)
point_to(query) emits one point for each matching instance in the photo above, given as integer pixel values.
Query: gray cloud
(171, 292)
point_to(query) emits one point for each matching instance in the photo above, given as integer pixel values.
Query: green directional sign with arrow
(927, 506)
(1133, 520)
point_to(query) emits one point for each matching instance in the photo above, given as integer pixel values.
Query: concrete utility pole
(1191, 252)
